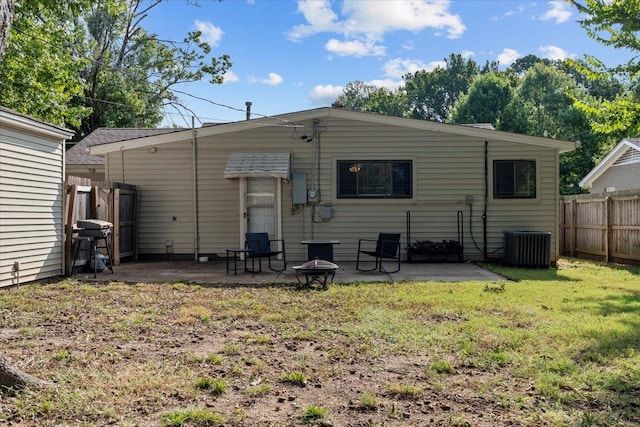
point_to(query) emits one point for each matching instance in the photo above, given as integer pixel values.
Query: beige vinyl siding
(164, 182)
(446, 168)
(31, 206)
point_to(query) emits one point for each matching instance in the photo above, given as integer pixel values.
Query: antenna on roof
(248, 104)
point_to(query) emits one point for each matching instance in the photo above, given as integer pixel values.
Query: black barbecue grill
(96, 234)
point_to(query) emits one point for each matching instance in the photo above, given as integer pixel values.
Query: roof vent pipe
(248, 104)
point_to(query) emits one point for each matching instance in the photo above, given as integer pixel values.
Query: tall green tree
(613, 23)
(360, 96)
(39, 75)
(95, 65)
(521, 65)
(6, 17)
(542, 105)
(431, 95)
(133, 74)
(616, 24)
(488, 96)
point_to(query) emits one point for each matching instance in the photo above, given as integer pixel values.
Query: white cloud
(555, 52)
(325, 94)
(516, 11)
(408, 45)
(362, 24)
(379, 17)
(210, 33)
(399, 67)
(386, 83)
(511, 12)
(354, 48)
(274, 79)
(559, 11)
(230, 77)
(508, 56)
(320, 18)
(467, 54)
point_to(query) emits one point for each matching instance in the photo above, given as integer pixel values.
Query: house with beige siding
(80, 162)
(32, 196)
(618, 170)
(333, 174)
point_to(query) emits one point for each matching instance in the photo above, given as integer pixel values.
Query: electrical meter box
(299, 188)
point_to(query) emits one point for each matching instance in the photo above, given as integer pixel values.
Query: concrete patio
(214, 272)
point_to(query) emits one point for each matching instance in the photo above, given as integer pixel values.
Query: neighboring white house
(619, 170)
(333, 174)
(32, 197)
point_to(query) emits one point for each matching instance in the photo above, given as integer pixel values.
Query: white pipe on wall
(196, 228)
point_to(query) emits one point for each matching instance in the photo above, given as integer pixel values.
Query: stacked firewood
(434, 251)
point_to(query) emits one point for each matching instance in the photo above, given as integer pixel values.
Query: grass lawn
(551, 347)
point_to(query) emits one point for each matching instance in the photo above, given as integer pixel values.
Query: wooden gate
(125, 207)
(116, 203)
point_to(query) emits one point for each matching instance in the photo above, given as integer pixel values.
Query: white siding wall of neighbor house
(31, 201)
(618, 177)
(447, 168)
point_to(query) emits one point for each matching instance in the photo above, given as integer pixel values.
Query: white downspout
(196, 228)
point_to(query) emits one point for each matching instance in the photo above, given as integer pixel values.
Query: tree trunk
(12, 377)
(6, 16)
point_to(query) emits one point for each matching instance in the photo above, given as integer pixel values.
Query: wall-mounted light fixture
(153, 149)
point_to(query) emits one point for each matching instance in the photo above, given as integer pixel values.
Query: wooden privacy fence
(116, 203)
(601, 226)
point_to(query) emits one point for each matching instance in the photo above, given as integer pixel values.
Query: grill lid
(93, 224)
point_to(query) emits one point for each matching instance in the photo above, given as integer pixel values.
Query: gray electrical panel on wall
(299, 188)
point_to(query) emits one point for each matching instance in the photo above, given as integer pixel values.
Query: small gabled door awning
(258, 165)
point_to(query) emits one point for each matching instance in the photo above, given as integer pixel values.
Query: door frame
(243, 208)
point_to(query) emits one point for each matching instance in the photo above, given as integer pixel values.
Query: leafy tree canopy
(359, 96)
(616, 24)
(431, 95)
(94, 64)
(488, 96)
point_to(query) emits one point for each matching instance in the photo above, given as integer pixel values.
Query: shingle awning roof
(258, 165)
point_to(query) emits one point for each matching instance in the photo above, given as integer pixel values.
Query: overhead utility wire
(242, 110)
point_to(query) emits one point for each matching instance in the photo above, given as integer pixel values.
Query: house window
(374, 179)
(514, 179)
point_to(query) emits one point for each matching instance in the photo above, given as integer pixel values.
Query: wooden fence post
(574, 231)
(93, 203)
(607, 229)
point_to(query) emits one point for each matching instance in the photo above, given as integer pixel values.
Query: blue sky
(295, 55)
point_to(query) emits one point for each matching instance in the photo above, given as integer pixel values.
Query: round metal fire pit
(316, 271)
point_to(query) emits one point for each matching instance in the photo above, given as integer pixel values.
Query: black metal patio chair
(386, 247)
(261, 247)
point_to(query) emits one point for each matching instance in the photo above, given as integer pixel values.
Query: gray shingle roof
(258, 165)
(79, 153)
